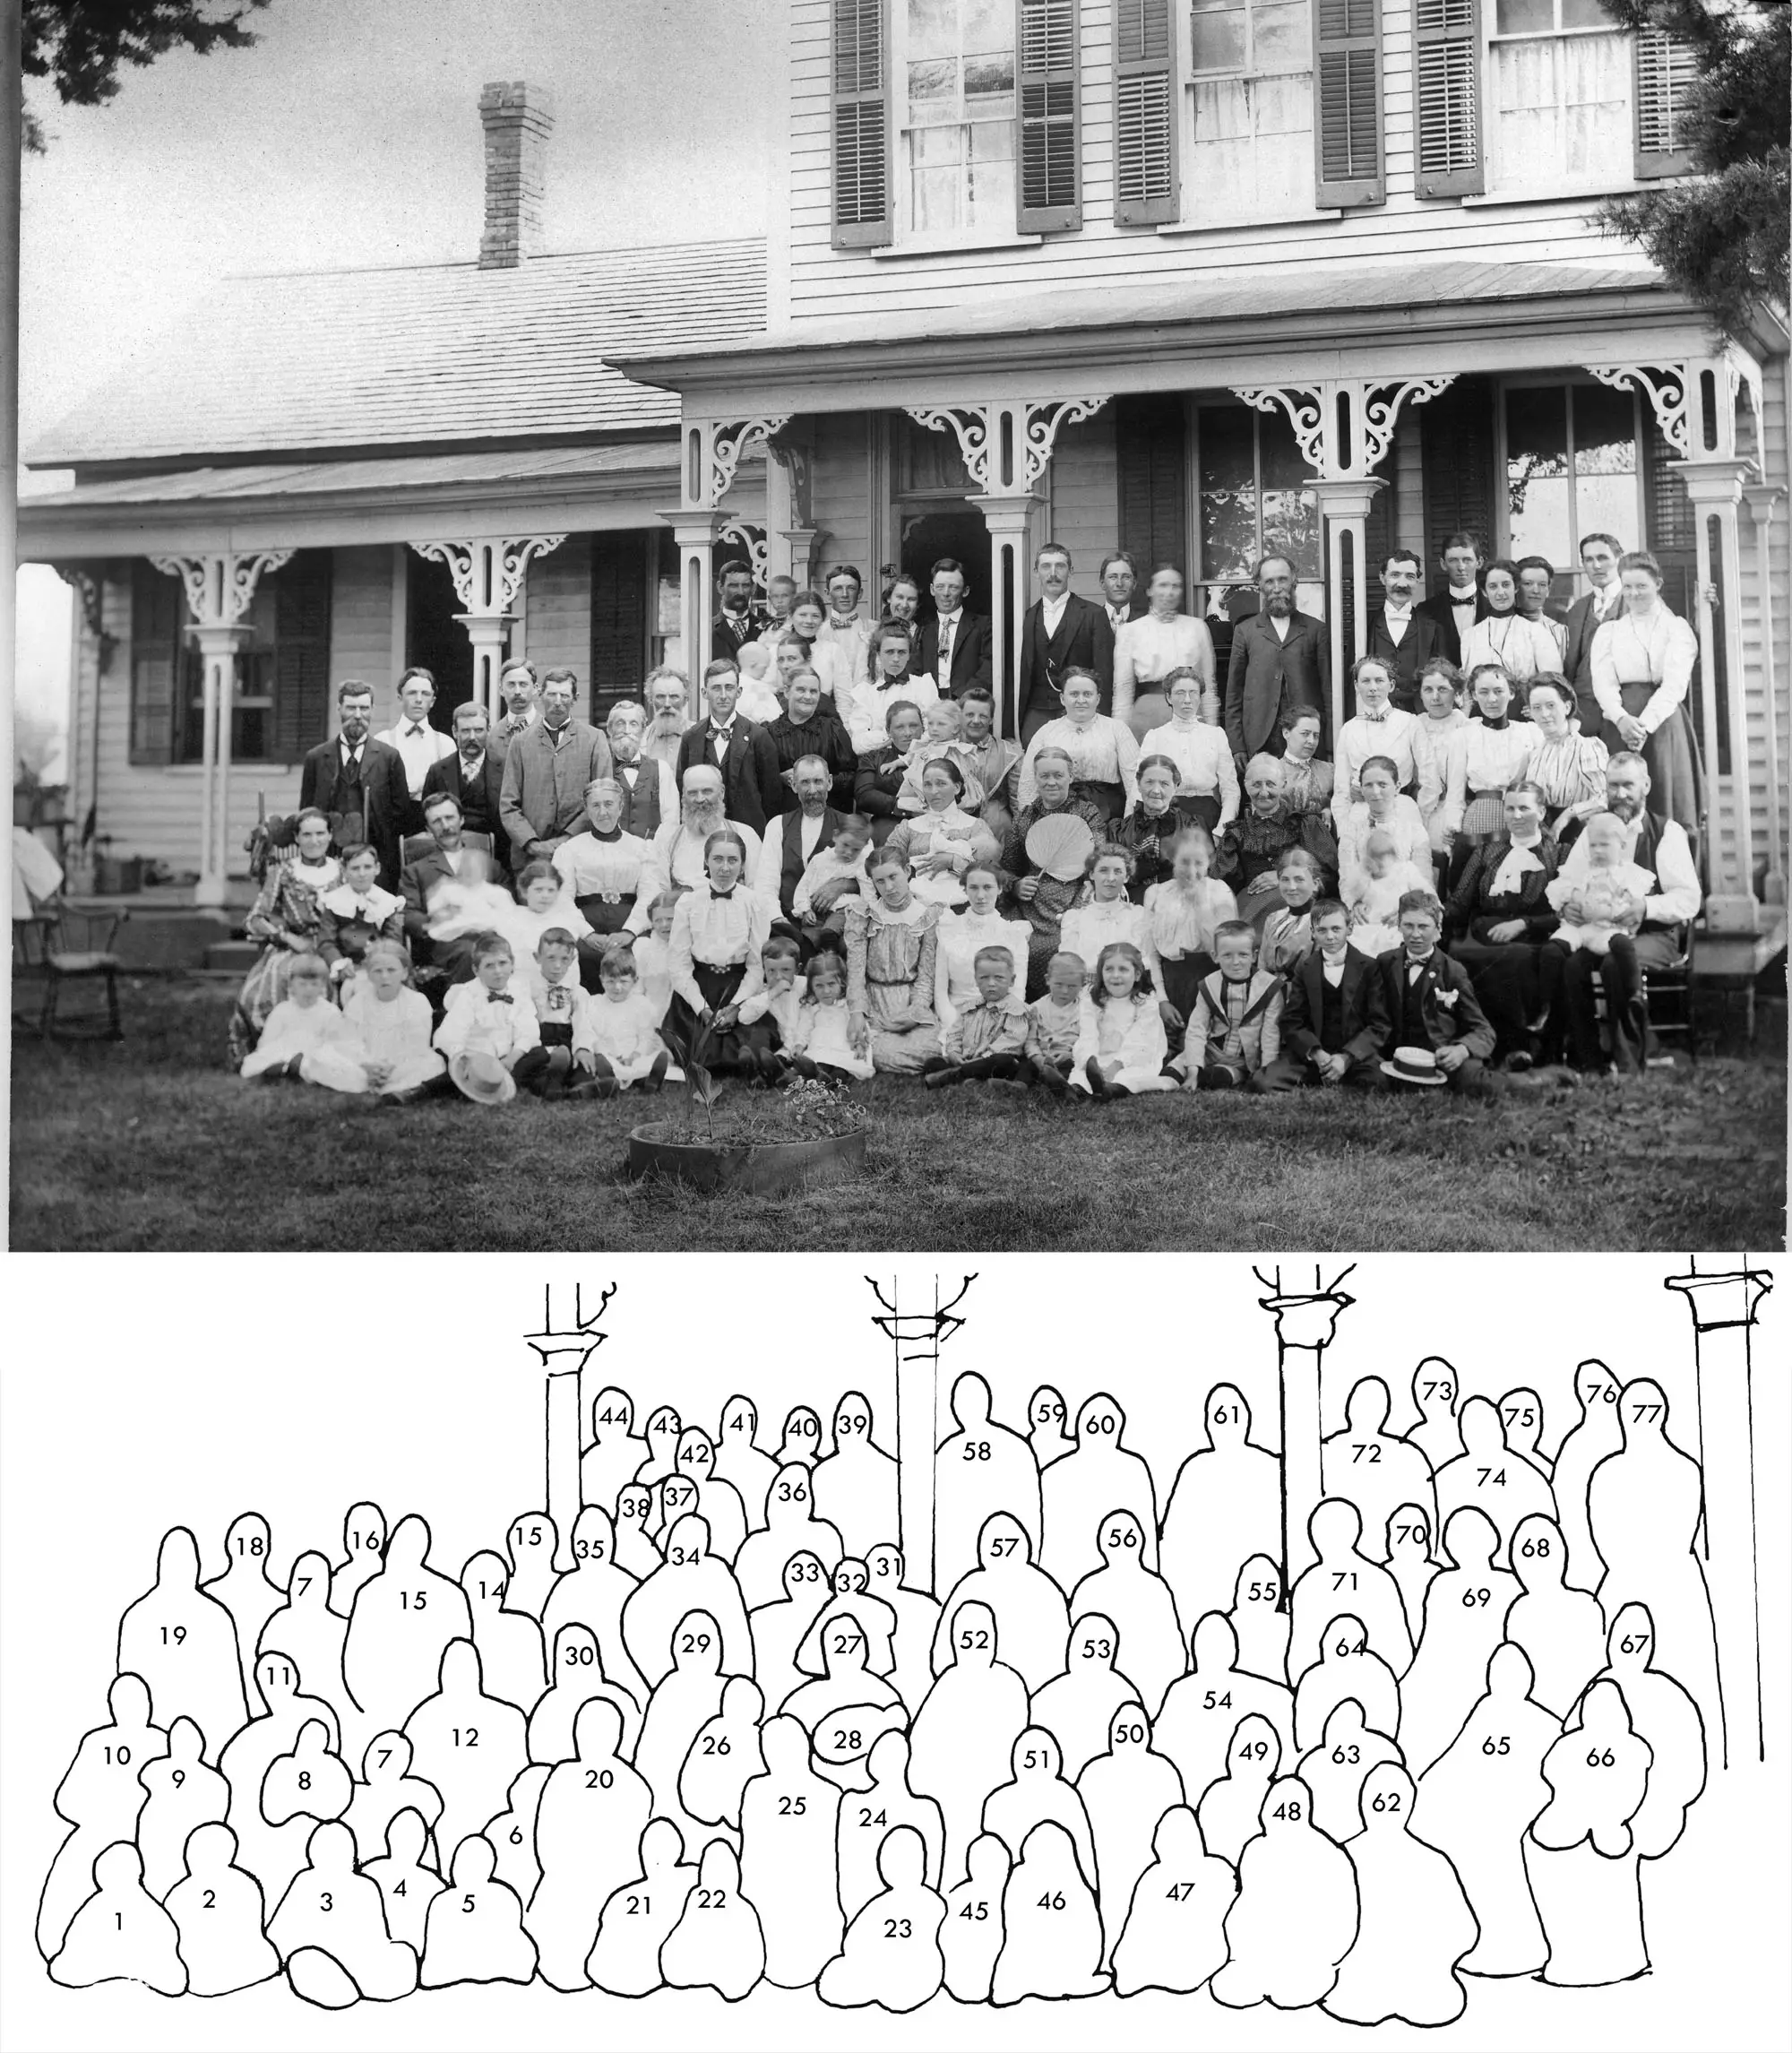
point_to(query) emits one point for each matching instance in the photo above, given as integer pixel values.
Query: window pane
(1537, 429)
(1228, 501)
(1291, 512)
(990, 78)
(989, 25)
(990, 194)
(1584, 15)
(1604, 505)
(1539, 499)
(992, 143)
(933, 89)
(1282, 39)
(1526, 17)
(932, 29)
(1596, 106)
(934, 199)
(933, 147)
(1284, 107)
(1219, 40)
(1605, 432)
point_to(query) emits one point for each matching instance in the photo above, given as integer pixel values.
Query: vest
(641, 806)
(1330, 1016)
(1415, 1030)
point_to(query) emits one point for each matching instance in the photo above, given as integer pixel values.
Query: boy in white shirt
(489, 1033)
(561, 1006)
(623, 1037)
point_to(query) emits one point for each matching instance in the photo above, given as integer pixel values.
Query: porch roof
(425, 353)
(1290, 321)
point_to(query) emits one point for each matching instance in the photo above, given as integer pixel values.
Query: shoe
(1097, 1082)
(1519, 1061)
(938, 1079)
(594, 1087)
(655, 1078)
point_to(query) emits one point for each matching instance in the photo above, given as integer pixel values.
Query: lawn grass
(153, 1145)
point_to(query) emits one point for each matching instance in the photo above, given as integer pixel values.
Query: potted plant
(811, 1132)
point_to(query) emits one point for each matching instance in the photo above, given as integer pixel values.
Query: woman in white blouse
(719, 929)
(1148, 648)
(963, 933)
(1207, 776)
(1486, 757)
(886, 680)
(1567, 766)
(1104, 753)
(603, 865)
(1521, 647)
(1384, 806)
(1642, 669)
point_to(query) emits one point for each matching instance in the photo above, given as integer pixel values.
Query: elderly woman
(1567, 766)
(1503, 920)
(1246, 854)
(1148, 648)
(1307, 780)
(1207, 777)
(890, 947)
(288, 920)
(1643, 663)
(1520, 646)
(1485, 756)
(1104, 752)
(830, 662)
(939, 843)
(602, 866)
(887, 681)
(1042, 900)
(881, 771)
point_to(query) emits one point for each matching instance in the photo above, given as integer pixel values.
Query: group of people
(843, 868)
(718, 1734)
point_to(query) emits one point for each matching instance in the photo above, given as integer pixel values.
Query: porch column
(1005, 445)
(712, 451)
(1715, 485)
(1761, 501)
(1009, 519)
(694, 536)
(488, 572)
(1344, 508)
(219, 592)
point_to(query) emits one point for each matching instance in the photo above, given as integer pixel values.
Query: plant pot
(761, 1169)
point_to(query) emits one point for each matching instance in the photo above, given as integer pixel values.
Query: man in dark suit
(809, 828)
(1334, 1018)
(1430, 1003)
(1120, 593)
(1281, 659)
(1603, 601)
(737, 620)
(1456, 608)
(1401, 633)
(449, 855)
(1061, 630)
(473, 776)
(360, 783)
(740, 751)
(967, 658)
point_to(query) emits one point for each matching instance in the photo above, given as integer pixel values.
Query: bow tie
(499, 999)
(842, 620)
(719, 896)
(722, 733)
(1463, 598)
(1378, 717)
(411, 732)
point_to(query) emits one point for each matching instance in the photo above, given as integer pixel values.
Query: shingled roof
(305, 362)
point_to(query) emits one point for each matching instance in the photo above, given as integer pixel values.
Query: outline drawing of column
(1305, 1323)
(564, 1353)
(918, 1338)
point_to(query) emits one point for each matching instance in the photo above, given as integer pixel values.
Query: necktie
(1379, 718)
(411, 732)
(499, 999)
(842, 620)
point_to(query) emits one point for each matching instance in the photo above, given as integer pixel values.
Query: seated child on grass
(305, 1038)
(488, 1032)
(1374, 893)
(987, 1039)
(768, 1019)
(560, 1004)
(654, 951)
(1055, 1021)
(1236, 1026)
(1120, 1047)
(820, 1042)
(621, 1034)
(391, 1025)
(1107, 913)
(1181, 915)
(1606, 900)
(1287, 932)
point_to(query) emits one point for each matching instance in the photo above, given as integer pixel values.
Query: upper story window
(1250, 69)
(1560, 89)
(956, 141)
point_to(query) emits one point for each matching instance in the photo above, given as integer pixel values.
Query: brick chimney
(518, 119)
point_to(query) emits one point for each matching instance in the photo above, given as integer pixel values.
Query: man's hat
(482, 1078)
(1414, 1066)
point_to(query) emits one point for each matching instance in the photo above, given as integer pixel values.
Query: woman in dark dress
(1502, 921)
(880, 776)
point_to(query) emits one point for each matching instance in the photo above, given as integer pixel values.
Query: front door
(931, 532)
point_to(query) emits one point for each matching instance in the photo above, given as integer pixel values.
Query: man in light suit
(1281, 659)
(357, 781)
(743, 754)
(1600, 556)
(964, 637)
(1061, 630)
(547, 772)
(472, 774)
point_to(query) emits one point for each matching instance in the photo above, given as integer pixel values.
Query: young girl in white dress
(1180, 916)
(391, 1025)
(1443, 703)
(942, 842)
(822, 1044)
(963, 933)
(1121, 1049)
(304, 1037)
(547, 902)
(941, 724)
(1374, 893)
(1106, 913)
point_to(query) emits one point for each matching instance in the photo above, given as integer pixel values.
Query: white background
(142, 1393)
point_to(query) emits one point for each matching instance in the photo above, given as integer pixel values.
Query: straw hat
(482, 1078)
(1414, 1066)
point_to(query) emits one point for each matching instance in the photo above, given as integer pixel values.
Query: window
(280, 703)
(1559, 91)
(1251, 93)
(1570, 470)
(957, 145)
(1254, 497)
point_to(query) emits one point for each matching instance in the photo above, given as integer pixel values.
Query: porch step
(236, 957)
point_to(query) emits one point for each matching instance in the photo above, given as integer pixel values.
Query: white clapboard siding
(839, 507)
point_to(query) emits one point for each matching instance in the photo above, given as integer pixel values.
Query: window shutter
(1145, 114)
(157, 608)
(1051, 182)
(1456, 468)
(861, 113)
(1347, 128)
(1150, 476)
(619, 616)
(1447, 86)
(1665, 67)
(301, 713)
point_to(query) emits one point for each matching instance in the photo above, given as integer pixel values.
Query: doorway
(436, 638)
(931, 532)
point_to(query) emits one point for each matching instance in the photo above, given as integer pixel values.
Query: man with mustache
(360, 783)
(1281, 659)
(677, 857)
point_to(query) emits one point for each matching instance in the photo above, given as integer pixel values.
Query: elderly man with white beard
(677, 857)
(668, 711)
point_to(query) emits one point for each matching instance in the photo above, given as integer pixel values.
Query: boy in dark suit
(1431, 1005)
(473, 776)
(752, 786)
(1334, 1019)
(359, 783)
(1061, 632)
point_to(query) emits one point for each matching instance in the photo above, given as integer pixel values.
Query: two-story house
(1194, 280)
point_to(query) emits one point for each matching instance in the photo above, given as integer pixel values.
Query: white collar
(1464, 598)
